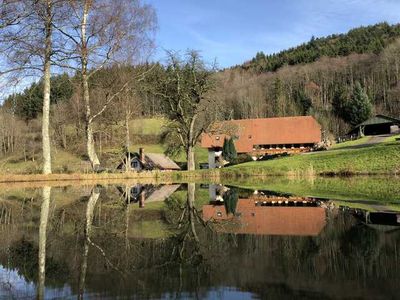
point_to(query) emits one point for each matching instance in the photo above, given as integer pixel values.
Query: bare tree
(184, 88)
(26, 40)
(101, 33)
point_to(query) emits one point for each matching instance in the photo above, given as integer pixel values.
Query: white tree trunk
(127, 141)
(46, 92)
(191, 164)
(91, 151)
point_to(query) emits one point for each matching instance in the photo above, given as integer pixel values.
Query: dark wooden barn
(377, 125)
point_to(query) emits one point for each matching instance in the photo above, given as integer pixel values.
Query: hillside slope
(319, 78)
(368, 39)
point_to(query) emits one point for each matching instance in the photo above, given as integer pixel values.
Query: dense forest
(340, 79)
(370, 39)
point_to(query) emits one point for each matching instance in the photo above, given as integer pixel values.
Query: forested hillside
(320, 78)
(370, 39)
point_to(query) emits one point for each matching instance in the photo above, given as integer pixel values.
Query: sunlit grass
(382, 158)
(393, 138)
(351, 143)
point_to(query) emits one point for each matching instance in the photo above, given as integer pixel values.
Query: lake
(324, 238)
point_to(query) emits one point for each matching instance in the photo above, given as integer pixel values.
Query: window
(249, 136)
(217, 138)
(135, 164)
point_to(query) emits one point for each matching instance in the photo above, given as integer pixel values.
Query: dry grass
(37, 180)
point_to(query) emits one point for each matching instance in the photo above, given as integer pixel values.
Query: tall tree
(228, 150)
(48, 26)
(28, 47)
(184, 88)
(101, 33)
(359, 108)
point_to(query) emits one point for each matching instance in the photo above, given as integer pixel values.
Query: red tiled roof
(266, 220)
(268, 131)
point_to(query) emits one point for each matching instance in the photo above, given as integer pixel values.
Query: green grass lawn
(147, 126)
(351, 143)
(393, 138)
(62, 161)
(382, 158)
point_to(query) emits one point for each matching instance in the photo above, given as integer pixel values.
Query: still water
(199, 241)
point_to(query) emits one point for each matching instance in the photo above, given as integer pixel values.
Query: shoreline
(157, 176)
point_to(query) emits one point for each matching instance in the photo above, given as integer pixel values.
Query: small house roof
(161, 161)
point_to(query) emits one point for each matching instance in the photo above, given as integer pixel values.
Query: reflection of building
(382, 220)
(250, 218)
(147, 193)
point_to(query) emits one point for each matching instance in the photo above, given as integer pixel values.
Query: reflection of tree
(362, 244)
(230, 200)
(128, 191)
(94, 196)
(187, 246)
(44, 217)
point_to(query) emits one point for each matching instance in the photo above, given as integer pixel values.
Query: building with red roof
(259, 137)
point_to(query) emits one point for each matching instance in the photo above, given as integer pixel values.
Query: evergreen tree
(228, 150)
(359, 108)
(28, 104)
(278, 98)
(339, 102)
(303, 101)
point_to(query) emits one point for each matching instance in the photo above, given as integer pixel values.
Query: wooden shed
(377, 125)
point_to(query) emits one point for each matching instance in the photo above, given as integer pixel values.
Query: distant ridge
(365, 39)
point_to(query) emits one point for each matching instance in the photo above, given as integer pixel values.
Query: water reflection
(191, 241)
(147, 193)
(44, 216)
(261, 213)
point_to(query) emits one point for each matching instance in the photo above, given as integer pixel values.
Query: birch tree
(101, 33)
(26, 41)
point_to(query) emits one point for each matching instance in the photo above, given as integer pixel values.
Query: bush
(242, 158)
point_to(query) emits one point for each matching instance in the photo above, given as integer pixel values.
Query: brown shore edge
(57, 179)
(60, 179)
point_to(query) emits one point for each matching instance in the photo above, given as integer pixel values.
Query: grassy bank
(376, 159)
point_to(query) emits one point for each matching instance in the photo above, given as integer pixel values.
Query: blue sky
(232, 31)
